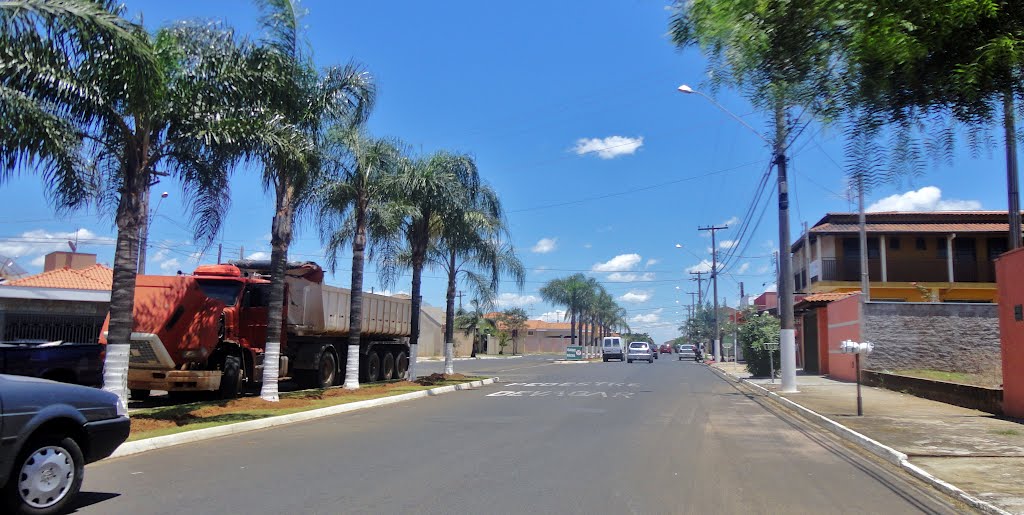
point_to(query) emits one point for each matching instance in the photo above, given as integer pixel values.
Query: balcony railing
(904, 270)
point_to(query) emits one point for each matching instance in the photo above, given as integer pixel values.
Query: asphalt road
(668, 437)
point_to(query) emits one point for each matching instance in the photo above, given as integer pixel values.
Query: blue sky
(571, 111)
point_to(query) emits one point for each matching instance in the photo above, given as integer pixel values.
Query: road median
(205, 420)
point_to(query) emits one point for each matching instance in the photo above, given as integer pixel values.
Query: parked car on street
(665, 349)
(685, 351)
(611, 348)
(48, 432)
(640, 351)
(76, 363)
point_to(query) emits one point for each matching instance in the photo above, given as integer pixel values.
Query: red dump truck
(207, 331)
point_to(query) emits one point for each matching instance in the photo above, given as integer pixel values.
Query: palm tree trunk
(414, 333)
(355, 312)
(281, 236)
(449, 318)
(122, 297)
(572, 327)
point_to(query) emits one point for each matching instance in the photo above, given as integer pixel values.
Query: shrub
(756, 330)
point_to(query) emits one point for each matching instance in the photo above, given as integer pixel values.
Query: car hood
(30, 394)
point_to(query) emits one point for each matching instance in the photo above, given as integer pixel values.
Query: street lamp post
(787, 336)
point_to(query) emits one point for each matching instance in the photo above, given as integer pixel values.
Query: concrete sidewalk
(973, 450)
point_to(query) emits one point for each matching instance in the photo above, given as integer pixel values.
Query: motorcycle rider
(698, 352)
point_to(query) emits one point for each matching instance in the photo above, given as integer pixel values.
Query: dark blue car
(48, 432)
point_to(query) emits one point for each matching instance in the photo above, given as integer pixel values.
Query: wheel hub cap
(46, 477)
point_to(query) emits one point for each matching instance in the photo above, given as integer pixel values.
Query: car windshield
(224, 291)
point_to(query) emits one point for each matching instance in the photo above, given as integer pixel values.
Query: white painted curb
(432, 359)
(160, 442)
(875, 447)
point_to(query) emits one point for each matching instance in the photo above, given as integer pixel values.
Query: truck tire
(46, 476)
(371, 367)
(139, 395)
(387, 366)
(324, 376)
(401, 364)
(231, 377)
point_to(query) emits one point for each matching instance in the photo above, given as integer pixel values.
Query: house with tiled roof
(912, 256)
(67, 301)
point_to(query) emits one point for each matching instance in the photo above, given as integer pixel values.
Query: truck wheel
(47, 476)
(387, 366)
(139, 395)
(231, 377)
(371, 367)
(401, 365)
(327, 371)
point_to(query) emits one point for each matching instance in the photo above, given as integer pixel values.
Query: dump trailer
(207, 331)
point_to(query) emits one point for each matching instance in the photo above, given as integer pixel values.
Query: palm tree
(471, 245)
(353, 208)
(99, 107)
(314, 103)
(428, 191)
(571, 293)
(475, 322)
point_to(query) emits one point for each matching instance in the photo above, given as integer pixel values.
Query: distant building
(67, 302)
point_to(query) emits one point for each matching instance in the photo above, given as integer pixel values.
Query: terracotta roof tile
(540, 324)
(963, 227)
(96, 277)
(829, 296)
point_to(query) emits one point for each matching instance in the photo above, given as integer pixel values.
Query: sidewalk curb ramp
(883, 451)
(161, 442)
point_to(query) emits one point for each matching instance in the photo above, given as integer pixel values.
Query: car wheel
(46, 477)
(629, 361)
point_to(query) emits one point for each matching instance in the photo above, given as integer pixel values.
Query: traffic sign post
(771, 347)
(857, 348)
(574, 353)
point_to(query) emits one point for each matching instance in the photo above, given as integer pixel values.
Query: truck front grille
(142, 353)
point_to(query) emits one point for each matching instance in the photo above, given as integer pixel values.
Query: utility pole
(787, 336)
(220, 248)
(714, 281)
(700, 291)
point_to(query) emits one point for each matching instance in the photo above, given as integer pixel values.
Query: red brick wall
(1010, 281)
(843, 324)
(823, 356)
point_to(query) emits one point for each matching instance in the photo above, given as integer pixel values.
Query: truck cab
(205, 331)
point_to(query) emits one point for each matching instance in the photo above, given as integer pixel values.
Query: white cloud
(743, 268)
(772, 287)
(732, 221)
(545, 245)
(39, 242)
(170, 265)
(389, 293)
(928, 198)
(622, 262)
(651, 262)
(727, 244)
(39, 261)
(764, 269)
(587, 245)
(703, 266)
(608, 148)
(635, 296)
(258, 256)
(511, 299)
(649, 318)
(553, 316)
(628, 277)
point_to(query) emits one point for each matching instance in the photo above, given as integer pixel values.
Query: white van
(611, 348)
